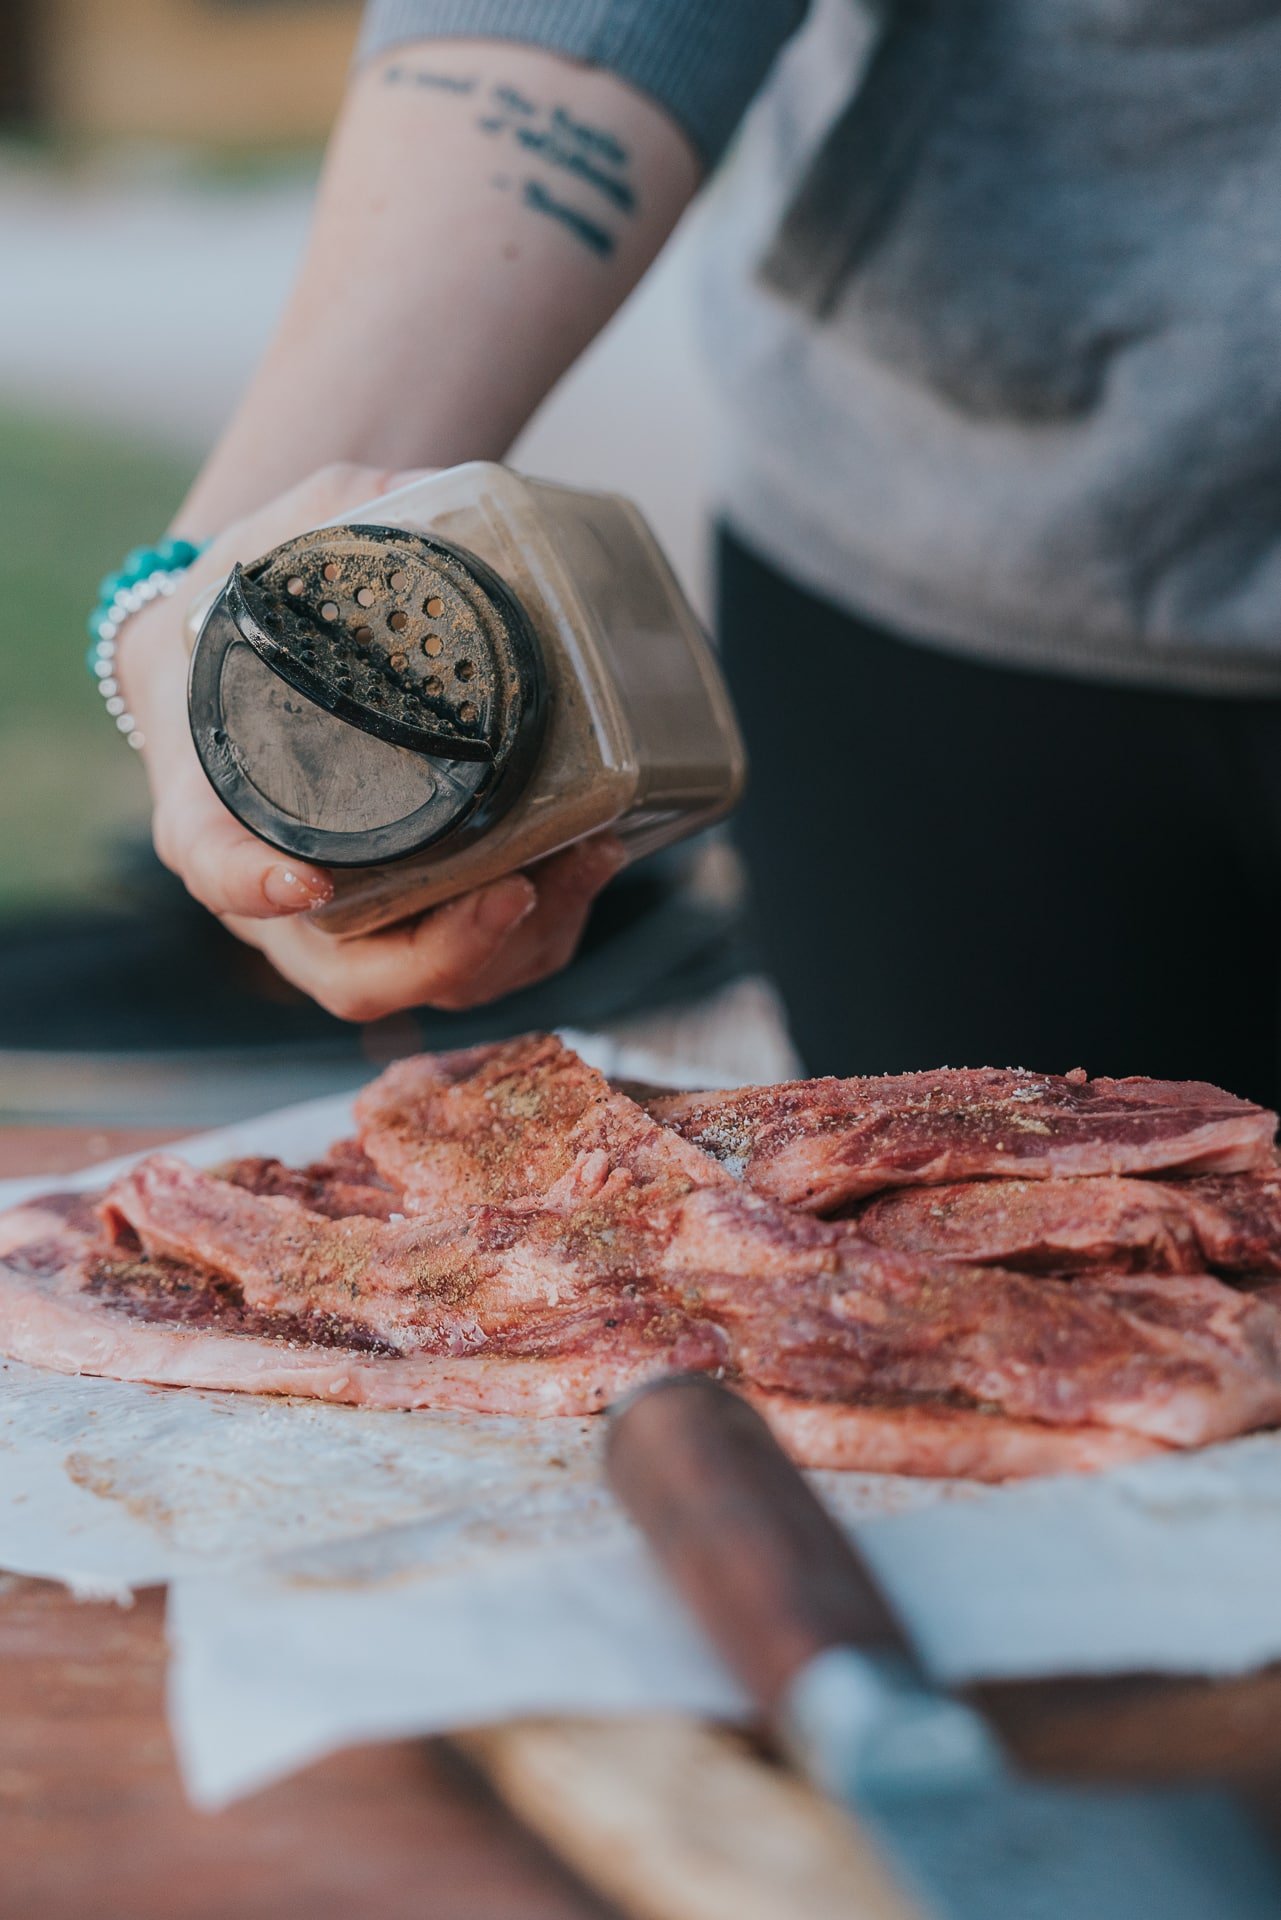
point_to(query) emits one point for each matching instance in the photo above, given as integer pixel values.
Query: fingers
(466, 953)
(220, 862)
(439, 957)
(567, 884)
(429, 962)
(471, 950)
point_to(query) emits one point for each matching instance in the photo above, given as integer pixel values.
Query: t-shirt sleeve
(702, 60)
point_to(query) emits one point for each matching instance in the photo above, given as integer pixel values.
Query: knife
(798, 1616)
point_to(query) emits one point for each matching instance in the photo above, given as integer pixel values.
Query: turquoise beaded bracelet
(146, 574)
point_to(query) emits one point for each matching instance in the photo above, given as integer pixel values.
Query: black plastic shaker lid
(361, 693)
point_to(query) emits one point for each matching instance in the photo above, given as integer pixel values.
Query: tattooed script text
(563, 168)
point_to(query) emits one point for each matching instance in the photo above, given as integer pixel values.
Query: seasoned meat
(938, 1441)
(516, 1121)
(511, 1234)
(1042, 1226)
(1219, 1223)
(70, 1302)
(1236, 1219)
(822, 1144)
(344, 1183)
(805, 1306)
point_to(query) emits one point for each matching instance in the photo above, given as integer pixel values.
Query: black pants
(962, 865)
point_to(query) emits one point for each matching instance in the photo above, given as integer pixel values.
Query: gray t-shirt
(997, 304)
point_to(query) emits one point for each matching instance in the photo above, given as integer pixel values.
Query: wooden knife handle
(756, 1556)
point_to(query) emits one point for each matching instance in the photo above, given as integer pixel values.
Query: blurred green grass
(73, 499)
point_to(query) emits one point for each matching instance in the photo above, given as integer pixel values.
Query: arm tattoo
(579, 173)
(598, 238)
(416, 77)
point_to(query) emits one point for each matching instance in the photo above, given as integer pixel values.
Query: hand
(473, 949)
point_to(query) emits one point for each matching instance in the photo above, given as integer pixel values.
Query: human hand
(470, 950)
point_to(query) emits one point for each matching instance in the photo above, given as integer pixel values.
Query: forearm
(484, 209)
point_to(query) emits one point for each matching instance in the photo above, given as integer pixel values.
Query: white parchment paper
(338, 1574)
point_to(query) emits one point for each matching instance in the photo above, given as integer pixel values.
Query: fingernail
(504, 906)
(295, 892)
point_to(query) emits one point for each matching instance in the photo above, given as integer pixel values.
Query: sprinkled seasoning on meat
(68, 1303)
(804, 1306)
(520, 1120)
(1041, 1226)
(175, 1293)
(1217, 1223)
(1236, 1219)
(476, 1282)
(345, 1182)
(512, 1234)
(822, 1144)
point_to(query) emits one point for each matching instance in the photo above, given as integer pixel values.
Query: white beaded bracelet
(149, 573)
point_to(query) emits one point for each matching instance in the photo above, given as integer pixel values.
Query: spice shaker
(455, 681)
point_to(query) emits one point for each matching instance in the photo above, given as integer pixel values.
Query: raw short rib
(802, 1306)
(940, 1442)
(822, 1144)
(72, 1302)
(520, 1120)
(1220, 1223)
(511, 1234)
(344, 1183)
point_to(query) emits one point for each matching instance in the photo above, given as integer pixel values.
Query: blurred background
(145, 144)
